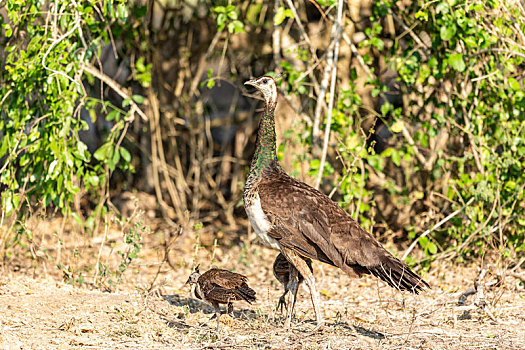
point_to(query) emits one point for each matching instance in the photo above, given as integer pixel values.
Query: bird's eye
(265, 81)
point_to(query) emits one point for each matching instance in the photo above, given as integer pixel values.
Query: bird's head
(194, 277)
(267, 86)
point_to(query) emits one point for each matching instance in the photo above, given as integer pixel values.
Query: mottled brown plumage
(301, 222)
(312, 225)
(218, 286)
(282, 270)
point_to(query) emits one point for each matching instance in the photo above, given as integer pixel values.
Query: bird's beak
(188, 281)
(251, 82)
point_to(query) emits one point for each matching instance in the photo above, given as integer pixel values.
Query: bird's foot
(282, 304)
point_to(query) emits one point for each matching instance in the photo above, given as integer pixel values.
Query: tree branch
(117, 88)
(332, 93)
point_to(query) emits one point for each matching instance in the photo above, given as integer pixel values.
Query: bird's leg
(293, 285)
(304, 270)
(230, 309)
(211, 318)
(217, 314)
(310, 283)
(282, 301)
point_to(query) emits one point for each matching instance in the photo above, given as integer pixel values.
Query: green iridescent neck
(265, 148)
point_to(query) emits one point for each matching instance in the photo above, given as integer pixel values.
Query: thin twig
(117, 88)
(301, 29)
(322, 88)
(435, 227)
(478, 230)
(54, 43)
(411, 142)
(501, 51)
(332, 94)
(416, 38)
(276, 37)
(99, 254)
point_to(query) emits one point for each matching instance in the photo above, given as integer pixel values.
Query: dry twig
(332, 94)
(435, 227)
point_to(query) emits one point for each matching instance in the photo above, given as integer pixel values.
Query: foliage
(467, 116)
(47, 46)
(455, 133)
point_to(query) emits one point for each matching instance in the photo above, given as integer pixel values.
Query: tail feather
(246, 293)
(398, 275)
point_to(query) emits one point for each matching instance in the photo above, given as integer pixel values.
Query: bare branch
(332, 93)
(117, 88)
(435, 227)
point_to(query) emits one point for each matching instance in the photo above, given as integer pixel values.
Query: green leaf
(471, 42)
(112, 115)
(279, 16)
(456, 61)
(113, 161)
(514, 84)
(397, 126)
(138, 99)
(125, 154)
(221, 21)
(396, 157)
(432, 248)
(102, 152)
(447, 32)
(442, 7)
(92, 178)
(233, 15)
(122, 11)
(236, 27)
(421, 15)
(8, 30)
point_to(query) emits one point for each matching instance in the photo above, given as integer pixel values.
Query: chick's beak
(251, 82)
(188, 281)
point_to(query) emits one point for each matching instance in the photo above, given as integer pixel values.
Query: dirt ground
(152, 307)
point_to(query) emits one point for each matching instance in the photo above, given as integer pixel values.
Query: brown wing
(219, 294)
(223, 278)
(224, 286)
(314, 226)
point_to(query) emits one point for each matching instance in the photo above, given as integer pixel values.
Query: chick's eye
(265, 81)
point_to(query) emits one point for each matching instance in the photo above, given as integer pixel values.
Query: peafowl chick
(218, 286)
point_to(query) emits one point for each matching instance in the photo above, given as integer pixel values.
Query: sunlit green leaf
(447, 31)
(125, 154)
(456, 61)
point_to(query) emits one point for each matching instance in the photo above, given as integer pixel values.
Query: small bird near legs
(218, 286)
(284, 272)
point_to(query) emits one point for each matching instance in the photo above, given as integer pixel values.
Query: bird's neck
(198, 292)
(265, 153)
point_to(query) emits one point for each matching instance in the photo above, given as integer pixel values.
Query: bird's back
(309, 222)
(224, 286)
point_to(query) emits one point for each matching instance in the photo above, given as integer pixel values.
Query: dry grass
(153, 309)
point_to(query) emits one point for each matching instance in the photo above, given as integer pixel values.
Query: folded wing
(314, 226)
